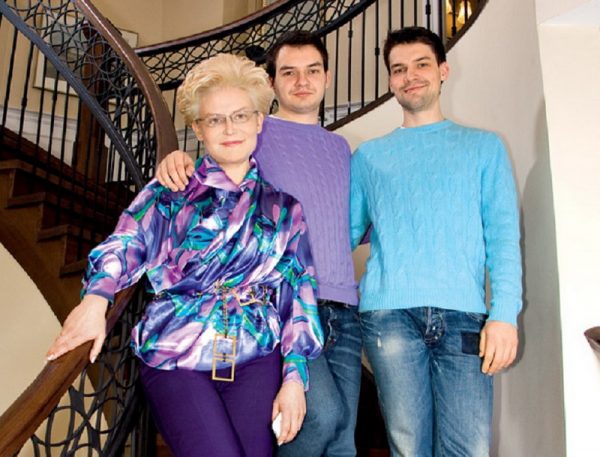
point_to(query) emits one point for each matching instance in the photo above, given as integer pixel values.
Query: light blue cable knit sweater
(443, 205)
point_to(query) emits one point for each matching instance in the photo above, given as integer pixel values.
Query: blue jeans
(332, 400)
(434, 399)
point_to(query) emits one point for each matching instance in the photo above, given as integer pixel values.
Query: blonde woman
(224, 342)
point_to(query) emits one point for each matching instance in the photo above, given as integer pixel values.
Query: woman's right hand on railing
(86, 322)
(174, 170)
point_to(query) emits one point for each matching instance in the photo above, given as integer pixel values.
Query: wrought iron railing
(83, 123)
(102, 412)
(76, 110)
(87, 121)
(353, 31)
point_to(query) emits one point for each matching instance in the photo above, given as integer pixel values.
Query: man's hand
(85, 322)
(174, 170)
(498, 346)
(290, 401)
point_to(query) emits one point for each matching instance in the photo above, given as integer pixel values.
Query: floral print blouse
(220, 259)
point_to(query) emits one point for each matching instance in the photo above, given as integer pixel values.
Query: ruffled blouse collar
(210, 174)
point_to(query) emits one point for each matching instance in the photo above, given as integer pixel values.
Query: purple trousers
(199, 417)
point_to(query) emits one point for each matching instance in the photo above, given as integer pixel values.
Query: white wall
(570, 51)
(143, 17)
(156, 21)
(496, 83)
(27, 329)
(547, 9)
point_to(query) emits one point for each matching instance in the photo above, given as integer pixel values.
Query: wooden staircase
(50, 218)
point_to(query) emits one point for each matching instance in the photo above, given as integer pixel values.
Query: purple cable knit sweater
(313, 165)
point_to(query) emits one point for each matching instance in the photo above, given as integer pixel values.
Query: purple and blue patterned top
(212, 246)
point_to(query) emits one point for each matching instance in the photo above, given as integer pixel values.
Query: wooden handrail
(166, 136)
(25, 415)
(20, 421)
(384, 98)
(33, 406)
(172, 45)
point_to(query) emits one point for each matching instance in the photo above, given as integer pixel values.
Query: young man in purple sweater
(301, 158)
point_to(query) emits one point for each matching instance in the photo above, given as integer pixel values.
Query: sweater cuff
(504, 313)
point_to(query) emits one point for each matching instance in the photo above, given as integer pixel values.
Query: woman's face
(228, 125)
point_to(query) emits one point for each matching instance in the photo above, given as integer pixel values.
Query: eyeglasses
(219, 120)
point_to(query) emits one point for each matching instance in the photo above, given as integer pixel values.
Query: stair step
(29, 179)
(73, 268)
(14, 144)
(26, 200)
(79, 242)
(59, 211)
(13, 147)
(69, 230)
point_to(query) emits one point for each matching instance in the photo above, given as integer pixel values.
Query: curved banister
(178, 43)
(341, 23)
(166, 137)
(34, 405)
(165, 133)
(119, 94)
(79, 87)
(169, 62)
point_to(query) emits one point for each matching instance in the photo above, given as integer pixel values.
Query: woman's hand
(291, 403)
(87, 321)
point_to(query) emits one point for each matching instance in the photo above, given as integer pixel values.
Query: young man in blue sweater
(443, 208)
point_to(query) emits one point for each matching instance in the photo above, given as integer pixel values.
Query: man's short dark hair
(409, 35)
(295, 38)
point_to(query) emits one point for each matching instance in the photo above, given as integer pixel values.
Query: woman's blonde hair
(223, 70)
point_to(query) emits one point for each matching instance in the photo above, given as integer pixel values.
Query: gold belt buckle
(251, 300)
(220, 354)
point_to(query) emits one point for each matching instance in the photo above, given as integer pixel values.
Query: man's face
(300, 80)
(416, 77)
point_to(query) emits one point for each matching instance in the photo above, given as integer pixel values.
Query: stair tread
(69, 230)
(23, 148)
(37, 198)
(67, 182)
(72, 268)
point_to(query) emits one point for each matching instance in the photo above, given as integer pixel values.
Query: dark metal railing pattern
(353, 31)
(82, 124)
(253, 37)
(101, 412)
(79, 121)
(89, 67)
(103, 405)
(77, 114)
